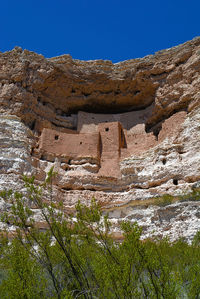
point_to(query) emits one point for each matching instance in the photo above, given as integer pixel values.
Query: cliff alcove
(122, 132)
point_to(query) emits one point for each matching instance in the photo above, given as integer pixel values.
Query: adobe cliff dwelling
(104, 140)
(123, 133)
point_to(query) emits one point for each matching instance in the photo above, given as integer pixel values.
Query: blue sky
(97, 29)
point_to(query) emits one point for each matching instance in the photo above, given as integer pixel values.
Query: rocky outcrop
(122, 133)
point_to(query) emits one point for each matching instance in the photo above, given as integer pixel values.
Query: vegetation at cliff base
(76, 257)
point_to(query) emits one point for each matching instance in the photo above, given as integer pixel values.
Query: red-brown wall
(70, 145)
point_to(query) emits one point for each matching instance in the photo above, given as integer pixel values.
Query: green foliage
(24, 276)
(78, 258)
(168, 199)
(165, 200)
(191, 196)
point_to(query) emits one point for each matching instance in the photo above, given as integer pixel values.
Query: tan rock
(122, 132)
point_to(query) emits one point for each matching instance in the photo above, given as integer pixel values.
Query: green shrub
(164, 200)
(77, 258)
(191, 196)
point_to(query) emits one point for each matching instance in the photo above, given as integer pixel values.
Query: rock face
(123, 133)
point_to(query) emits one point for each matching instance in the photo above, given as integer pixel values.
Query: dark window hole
(42, 158)
(86, 94)
(32, 125)
(156, 133)
(136, 92)
(164, 161)
(175, 182)
(56, 137)
(156, 130)
(106, 129)
(91, 189)
(66, 189)
(81, 142)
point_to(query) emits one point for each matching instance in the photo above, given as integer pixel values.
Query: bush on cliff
(77, 257)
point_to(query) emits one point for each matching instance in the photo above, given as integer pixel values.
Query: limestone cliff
(123, 133)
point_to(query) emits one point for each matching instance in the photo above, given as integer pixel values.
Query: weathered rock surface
(155, 101)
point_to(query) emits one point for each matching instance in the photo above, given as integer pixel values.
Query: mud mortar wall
(70, 145)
